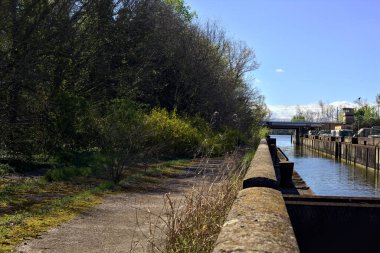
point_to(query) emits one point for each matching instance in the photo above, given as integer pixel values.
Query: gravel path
(126, 222)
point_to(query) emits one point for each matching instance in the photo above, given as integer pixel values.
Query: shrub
(75, 158)
(67, 173)
(170, 133)
(6, 169)
(220, 143)
(121, 135)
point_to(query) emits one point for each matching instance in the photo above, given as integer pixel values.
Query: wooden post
(375, 158)
(298, 133)
(336, 150)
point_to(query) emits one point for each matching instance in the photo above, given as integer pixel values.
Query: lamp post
(378, 104)
(358, 114)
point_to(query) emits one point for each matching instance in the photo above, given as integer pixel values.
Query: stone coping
(258, 222)
(261, 172)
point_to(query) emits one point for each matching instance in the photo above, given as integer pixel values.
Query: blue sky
(308, 50)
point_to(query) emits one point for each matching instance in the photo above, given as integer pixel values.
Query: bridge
(293, 125)
(299, 127)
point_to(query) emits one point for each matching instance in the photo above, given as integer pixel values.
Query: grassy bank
(30, 206)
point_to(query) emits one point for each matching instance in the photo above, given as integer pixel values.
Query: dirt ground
(124, 222)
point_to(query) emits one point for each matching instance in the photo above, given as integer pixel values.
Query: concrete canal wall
(335, 224)
(258, 220)
(362, 151)
(262, 219)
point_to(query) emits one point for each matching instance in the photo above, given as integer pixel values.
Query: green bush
(6, 169)
(75, 158)
(170, 133)
(220, 143)
(67, 173)
(121, 133)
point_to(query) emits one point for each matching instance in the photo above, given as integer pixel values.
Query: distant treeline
(103, 75)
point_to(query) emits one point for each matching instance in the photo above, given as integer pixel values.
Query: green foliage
(219, 143)
(22, 166)
(298, 118)
(67, 173)
(263, 132)
(247, 158)
(68, 110)
(37, 215)
(182, 9)
(79, 77)
(121, 134)
(6, 169)
(75, 158)
(171, 134)
(366, 116)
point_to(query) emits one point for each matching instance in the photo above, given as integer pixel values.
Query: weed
(194, 222)
(6, 169)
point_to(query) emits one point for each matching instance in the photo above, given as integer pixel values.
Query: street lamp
(358, 114)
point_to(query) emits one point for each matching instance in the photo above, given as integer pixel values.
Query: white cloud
(280, 71)
(282, 112)
(286, 112)
(344, 104)
(257, 81)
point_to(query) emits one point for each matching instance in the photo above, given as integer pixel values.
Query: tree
(378, 104)
(303, 115)
(182, 9)
(65, 65)
(298, 118)
(366, 116)
(327, 111)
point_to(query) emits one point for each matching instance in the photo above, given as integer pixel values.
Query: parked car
(363, 132)
(375, 132)
(324, 133)
(312, 132)
(368, 132)
(344, 133)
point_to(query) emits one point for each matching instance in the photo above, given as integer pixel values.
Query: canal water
(327, 176)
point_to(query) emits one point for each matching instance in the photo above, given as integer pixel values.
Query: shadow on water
(327, 176)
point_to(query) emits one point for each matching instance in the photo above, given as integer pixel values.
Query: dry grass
(193, 223)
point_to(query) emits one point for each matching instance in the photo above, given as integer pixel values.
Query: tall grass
(194, 222)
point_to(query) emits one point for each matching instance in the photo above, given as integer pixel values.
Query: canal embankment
(335, 223)
(258, 220)
(360, 151)
(271, 215)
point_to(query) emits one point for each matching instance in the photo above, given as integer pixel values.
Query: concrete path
(127, 222)
(113, 226)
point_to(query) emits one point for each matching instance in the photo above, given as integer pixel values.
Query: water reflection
(329, 177)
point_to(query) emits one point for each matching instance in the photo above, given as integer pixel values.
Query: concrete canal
(327, 176)
(344, 213)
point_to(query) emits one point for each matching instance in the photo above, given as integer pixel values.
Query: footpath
(124, 222)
